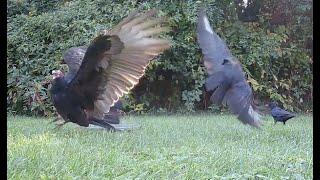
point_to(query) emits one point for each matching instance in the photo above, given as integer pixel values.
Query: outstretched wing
(116, 60)
(225, 74)
(213, 47)
(239, 100)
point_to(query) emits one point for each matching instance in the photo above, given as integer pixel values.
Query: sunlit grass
(165, 147)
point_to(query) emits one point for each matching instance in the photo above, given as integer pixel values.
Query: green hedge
(274, 56)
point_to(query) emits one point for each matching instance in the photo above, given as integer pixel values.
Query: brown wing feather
(139, 37)
(117, 59)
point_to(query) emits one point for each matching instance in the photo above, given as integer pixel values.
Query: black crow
(279, 114)
(108, 68)
(225, 75)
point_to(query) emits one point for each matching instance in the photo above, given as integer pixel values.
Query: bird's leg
(275, 122)
(284, 122)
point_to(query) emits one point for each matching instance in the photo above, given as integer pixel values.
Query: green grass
(165, 147)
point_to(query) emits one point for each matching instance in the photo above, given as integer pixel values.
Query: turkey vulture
(113, 63)
(225, 75)
(279, 114)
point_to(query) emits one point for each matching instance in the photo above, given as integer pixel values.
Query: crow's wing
(116, 60)
(213, 47)
(239, 100)
(278, 112)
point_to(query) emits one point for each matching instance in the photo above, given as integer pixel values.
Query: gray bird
(279, 114)
(225, 75)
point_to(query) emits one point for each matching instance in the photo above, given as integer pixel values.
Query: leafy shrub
(274, 56)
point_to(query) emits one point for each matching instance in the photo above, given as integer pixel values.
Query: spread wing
(225, 75)
(116, 60)
(213, 47)
(239, 100)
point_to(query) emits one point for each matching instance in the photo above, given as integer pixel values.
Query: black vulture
(225, 74)
(113, 63)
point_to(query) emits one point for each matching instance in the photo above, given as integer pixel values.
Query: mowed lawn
(164, 147)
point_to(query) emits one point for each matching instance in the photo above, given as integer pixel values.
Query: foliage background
(272, 38)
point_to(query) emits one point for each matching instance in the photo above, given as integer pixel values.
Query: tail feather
(112, 118)
(289, 116)
(126, 127)
(102, 123)
(113, 127)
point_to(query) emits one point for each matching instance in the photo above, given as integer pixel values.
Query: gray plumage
(225, 74)
(73, 58)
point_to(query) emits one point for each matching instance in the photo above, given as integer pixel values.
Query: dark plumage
(225, 75)
(279, 114)
(99, 74)
(113, 116)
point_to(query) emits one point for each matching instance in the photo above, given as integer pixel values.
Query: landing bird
(101, 73)
(225, 75)
(279, 114)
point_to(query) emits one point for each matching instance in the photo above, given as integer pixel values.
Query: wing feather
(73, 58)
(140, 45)
(116, 60)
(239, 100)
(213, 47)
(225, 75)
